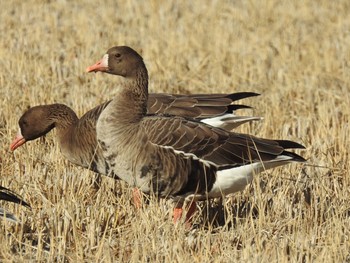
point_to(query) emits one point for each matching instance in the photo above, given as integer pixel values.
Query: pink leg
(190, 211)
(177, 214)
(178, 211)
(137, 198)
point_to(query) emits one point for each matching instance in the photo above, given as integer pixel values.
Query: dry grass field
(295, 53)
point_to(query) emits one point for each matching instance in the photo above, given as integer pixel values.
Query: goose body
(180, 166)
(77, 137)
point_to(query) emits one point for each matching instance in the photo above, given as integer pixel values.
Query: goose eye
(117, 55)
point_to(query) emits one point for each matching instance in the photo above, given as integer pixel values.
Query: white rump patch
(232, 180)
(235, 179)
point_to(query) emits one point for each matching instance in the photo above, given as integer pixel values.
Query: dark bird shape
(77, 137)
(10, 196)
(182, 159)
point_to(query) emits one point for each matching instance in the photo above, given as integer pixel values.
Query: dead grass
(295, 53)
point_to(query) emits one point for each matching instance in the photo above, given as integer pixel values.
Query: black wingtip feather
(286, 144)
(296, 157)
(241, 95)
(10, 196)
(233, 107)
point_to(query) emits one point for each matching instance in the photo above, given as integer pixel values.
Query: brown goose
(10, 196)
(185, 159)
(77, 137)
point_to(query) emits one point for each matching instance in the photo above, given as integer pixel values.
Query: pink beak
(17, 142)
(101, 65)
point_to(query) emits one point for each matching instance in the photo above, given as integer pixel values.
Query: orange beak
(17, 141)
(101, 65)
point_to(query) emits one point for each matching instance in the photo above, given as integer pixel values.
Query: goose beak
(17, 141)
(101, 65)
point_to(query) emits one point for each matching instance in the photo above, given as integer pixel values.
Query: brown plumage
(77, 137)
(183, 159)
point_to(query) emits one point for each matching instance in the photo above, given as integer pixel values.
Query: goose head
(119, 60)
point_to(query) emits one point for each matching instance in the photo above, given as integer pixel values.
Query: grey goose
(77, 136)
(188, 160)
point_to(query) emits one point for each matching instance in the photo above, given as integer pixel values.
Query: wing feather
(210, 143)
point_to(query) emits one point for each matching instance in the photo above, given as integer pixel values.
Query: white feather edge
(7, 215)
(229, 121)
(232, 180)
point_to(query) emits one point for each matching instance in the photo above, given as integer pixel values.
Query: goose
(189, 160)
(77, 137)
(9, 196)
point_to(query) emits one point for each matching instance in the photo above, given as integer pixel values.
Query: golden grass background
(295, 53)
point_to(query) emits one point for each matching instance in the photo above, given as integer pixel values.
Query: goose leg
(190, 211)
(137, 198)
(178, 211)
